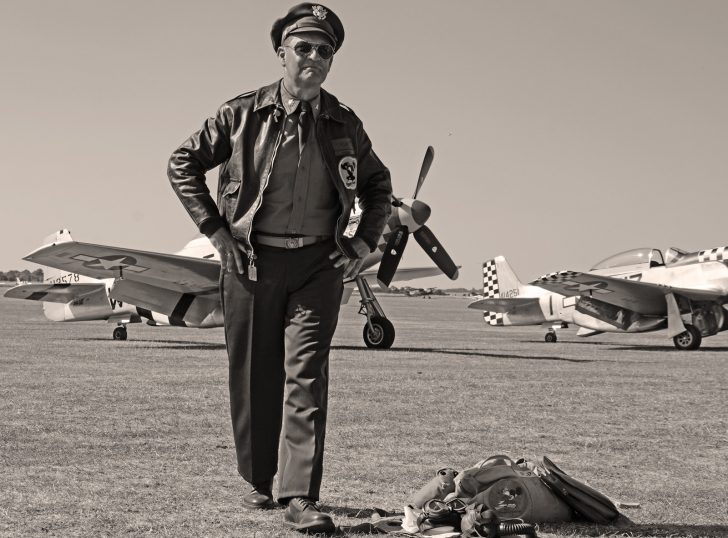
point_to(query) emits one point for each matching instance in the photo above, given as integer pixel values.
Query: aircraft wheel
(550, 337)
(689, 340)
(119, 333)
(382, 335)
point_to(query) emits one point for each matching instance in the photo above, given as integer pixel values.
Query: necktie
(304, 124)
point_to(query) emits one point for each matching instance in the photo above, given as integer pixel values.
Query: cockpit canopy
(649, 257)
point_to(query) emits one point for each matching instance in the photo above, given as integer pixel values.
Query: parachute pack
(534, 492)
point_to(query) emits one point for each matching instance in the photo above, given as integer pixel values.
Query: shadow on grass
(162, 344)
(664, 349)
(667, 530)
(464, 352)
(634, 347)
(624, 529)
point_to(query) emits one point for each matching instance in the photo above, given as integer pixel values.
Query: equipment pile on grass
(501, 497)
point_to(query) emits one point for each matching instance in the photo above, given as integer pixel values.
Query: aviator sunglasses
(304, 48)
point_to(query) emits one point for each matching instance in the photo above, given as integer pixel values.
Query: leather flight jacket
(243, 139)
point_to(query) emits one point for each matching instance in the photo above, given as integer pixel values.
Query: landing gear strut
(378, 332)
(689, 340)
(119, 333)
(551, 336)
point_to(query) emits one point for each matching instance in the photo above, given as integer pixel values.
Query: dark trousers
(278, 332)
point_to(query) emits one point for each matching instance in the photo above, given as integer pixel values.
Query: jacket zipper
(252, 269)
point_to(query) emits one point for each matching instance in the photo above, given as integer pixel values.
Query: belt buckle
(293, 242)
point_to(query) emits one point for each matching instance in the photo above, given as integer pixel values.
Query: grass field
(104, 438)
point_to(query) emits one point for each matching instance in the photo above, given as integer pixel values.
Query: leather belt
(282, 241)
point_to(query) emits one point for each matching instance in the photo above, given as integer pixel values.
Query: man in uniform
(292, 160)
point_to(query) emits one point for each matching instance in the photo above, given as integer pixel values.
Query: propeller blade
(392, 254)
(435, 250)
(426, 163)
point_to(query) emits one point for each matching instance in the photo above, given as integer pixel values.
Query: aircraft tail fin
(61, 236)
(57, 276)
(499, 280)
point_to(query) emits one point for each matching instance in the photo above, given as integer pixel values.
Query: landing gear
(378, 332)
(551, 336)
(689, 340)
(119, 333)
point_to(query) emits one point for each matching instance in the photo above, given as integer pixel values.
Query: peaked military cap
(308, 17)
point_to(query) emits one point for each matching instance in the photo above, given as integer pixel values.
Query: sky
(564, 130)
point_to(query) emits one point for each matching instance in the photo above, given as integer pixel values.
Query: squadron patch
(319, 12)
(347, 171)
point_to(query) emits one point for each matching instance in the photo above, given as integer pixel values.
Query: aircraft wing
(169, 271)
(180, 308)
(53, 293)
(502, 305)
(641, 297)
(408, 273)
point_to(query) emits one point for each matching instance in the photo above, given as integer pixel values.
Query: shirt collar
(290, 103)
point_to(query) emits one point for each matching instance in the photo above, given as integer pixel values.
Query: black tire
(382, 337)
(550, 337)
(119, 333)
(689, 340)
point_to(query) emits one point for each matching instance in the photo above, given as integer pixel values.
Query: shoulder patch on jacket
(342, 105)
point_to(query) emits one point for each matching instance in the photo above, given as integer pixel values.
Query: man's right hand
(231, 252)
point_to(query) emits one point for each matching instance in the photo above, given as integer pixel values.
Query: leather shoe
(260, 497)
(304, 515)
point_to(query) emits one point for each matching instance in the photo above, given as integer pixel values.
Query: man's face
(305, 70)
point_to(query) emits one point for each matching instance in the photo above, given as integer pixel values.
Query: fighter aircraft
(589, 302)
(425, 293)
(507, 301)
(70, 296)
(639, 291)
(182, 289)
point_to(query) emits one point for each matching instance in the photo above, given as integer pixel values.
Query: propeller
(410, 215)
(426, 163)
(436, 251)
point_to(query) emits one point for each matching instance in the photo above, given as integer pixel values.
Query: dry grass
(103, 438)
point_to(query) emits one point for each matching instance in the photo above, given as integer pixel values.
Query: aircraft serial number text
(65, 279)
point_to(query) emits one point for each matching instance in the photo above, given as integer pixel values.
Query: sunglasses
(304, 48)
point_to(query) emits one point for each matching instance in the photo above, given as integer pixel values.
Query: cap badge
(319, 12)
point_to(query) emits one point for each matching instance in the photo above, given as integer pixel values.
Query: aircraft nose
(420, 212)
(412, 213)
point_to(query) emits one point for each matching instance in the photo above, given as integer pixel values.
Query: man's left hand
(351, 266)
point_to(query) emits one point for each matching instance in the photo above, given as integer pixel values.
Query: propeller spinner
(409, 216)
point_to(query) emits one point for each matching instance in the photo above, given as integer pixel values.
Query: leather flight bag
(585, 501)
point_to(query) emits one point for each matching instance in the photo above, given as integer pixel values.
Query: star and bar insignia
(110, 262)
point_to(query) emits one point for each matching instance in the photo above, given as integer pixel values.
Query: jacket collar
(269, 96)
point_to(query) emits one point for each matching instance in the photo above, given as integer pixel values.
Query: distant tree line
(24, 275)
